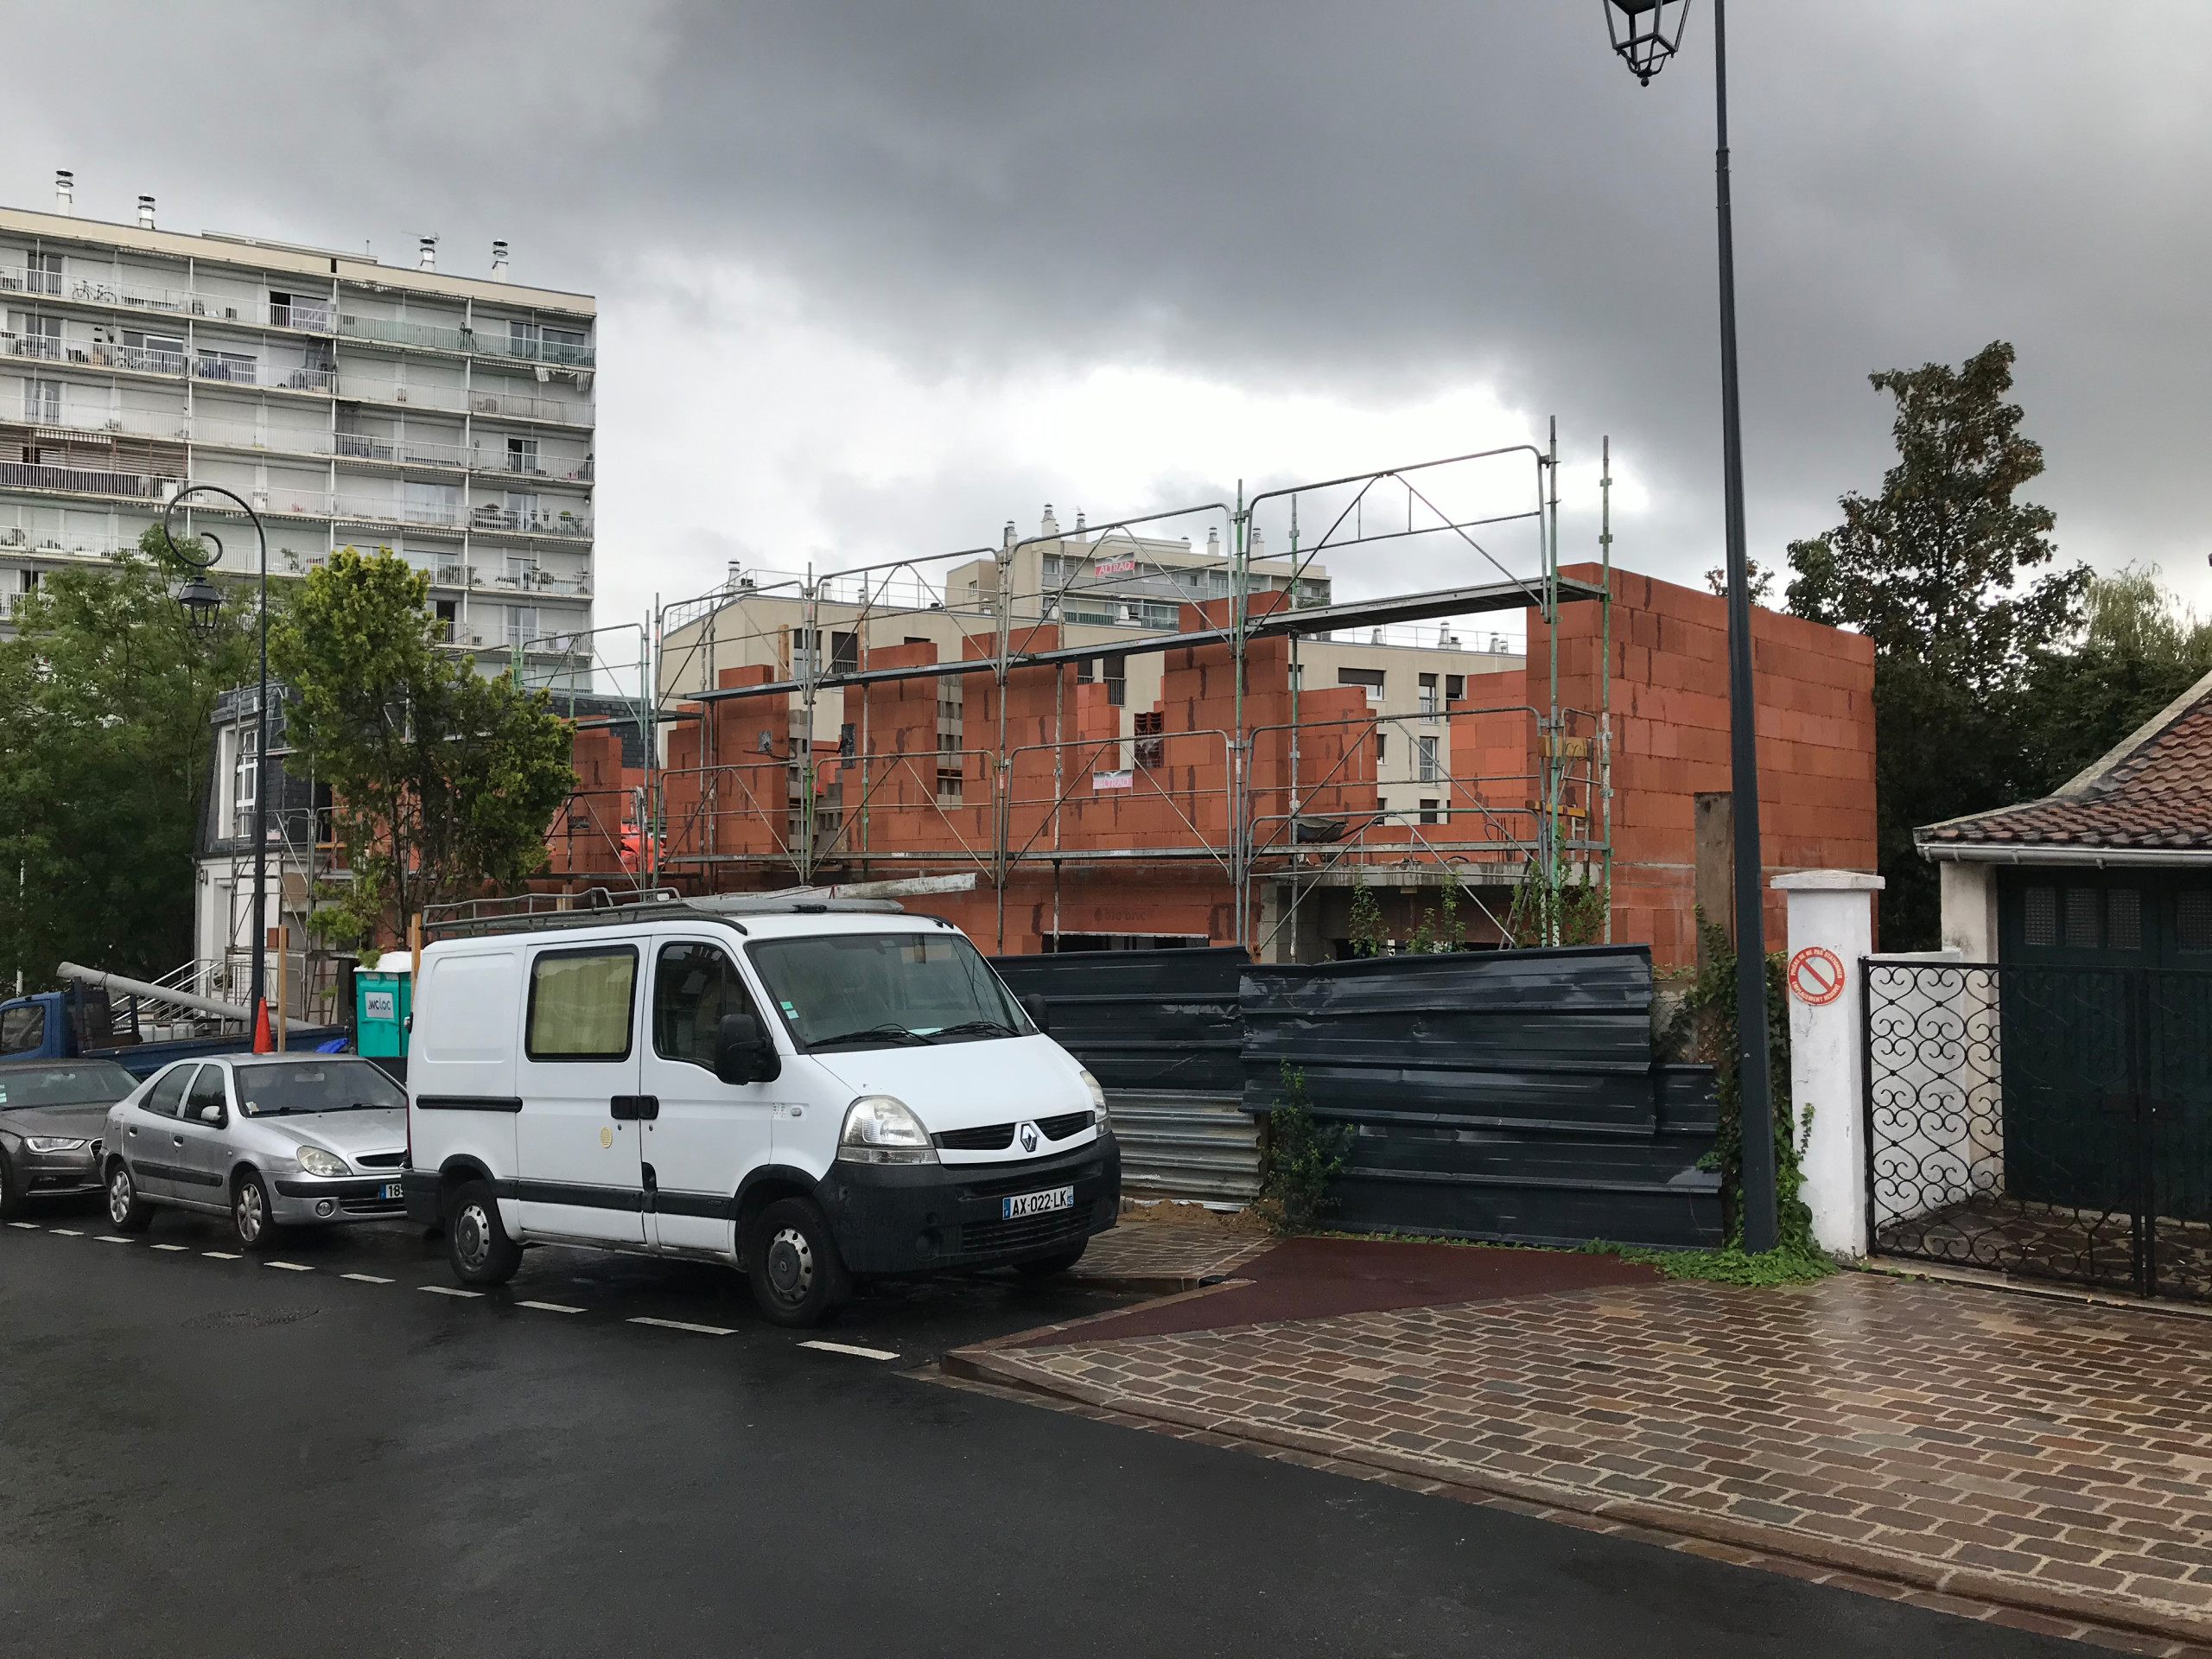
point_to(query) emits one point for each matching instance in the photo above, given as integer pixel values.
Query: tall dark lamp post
(202, 602)
(1646, 33)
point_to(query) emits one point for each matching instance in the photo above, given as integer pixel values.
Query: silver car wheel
(248, 1211)
(790, 1266)
(472, 1236)
(120, 1195)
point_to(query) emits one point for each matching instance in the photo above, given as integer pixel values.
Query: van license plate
(389, 1190)
(1038, 1203)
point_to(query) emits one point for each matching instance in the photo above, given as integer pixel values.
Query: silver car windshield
(288, 1088)
(881, 990)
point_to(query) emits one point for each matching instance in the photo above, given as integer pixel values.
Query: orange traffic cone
(262, 1043)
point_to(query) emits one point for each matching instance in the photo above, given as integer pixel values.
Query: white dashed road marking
(222, 1255)
(848, 1348)
(289, 1267)
(364, 1278)
(65, 1232)
(115, 1238)
(679, 1325)
(29, 1226)
(448, 1290)
(186, 1248)
(549, 1307)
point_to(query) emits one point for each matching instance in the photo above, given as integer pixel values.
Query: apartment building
(1107, 589)
(353, 402)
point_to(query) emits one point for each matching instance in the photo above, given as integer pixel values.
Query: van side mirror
(1035, 1006)
(743, 1053)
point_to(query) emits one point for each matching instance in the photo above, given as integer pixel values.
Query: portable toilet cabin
(383, 1002)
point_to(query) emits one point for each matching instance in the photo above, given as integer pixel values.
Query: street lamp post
(1639, 31)
(201, 601)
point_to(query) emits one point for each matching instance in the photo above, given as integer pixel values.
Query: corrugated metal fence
(1493, 1094)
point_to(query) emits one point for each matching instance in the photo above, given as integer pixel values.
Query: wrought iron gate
(2054, 1122)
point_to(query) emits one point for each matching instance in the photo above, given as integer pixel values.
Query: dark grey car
(52, 1113)
(272, 1141)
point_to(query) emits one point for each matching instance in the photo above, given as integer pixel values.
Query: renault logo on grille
(1029, 1137)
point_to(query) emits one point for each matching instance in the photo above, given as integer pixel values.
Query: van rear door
(577, 1163)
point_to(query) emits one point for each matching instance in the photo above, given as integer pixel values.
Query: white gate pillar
(1831, 932)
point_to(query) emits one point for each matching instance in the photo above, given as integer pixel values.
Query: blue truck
(80, 1023)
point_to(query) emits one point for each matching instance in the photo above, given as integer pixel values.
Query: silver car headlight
(54, 1143)
(1097, 1100)
(316, 1161)
(881, 1129)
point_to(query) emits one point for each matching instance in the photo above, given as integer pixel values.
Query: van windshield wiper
(973, 1028)
(884, 1033)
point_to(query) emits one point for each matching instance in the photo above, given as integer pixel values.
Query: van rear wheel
(797, 1276)
(477, 1245)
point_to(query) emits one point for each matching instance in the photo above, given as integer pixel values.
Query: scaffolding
(803, 807)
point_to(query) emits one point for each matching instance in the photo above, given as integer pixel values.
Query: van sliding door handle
(631, 1107)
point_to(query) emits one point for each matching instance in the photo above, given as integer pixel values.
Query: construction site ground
(2037, 1462)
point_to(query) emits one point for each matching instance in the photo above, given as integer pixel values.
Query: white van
(811, 1093)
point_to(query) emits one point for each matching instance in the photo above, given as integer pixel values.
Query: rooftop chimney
(428, 260)
(1213, 543)
(145, 213)
(1007, 540)
(1252, 544)
(1052, 525)
(65, 193)
(498, 262)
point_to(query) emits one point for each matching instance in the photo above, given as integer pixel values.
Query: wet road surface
(203, 1454)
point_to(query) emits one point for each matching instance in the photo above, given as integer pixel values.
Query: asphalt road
(201, 1455)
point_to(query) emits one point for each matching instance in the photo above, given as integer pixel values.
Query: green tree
(444, 780)
(1938, 570)
(2139, 649)
(105, 700)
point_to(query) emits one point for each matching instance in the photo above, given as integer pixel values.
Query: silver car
(272, 1141)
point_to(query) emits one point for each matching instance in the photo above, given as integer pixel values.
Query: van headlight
(880, 1129)
(316, 1161)
(1097, 1100)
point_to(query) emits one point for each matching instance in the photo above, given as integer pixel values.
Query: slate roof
(2153, 792)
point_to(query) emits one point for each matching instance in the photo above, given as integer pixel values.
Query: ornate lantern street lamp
(1639, 32)
(200, 603)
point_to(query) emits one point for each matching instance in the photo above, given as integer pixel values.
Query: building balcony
(76, 480)
(142, 360)
(571, 525)
(312, 316)
(496, 340)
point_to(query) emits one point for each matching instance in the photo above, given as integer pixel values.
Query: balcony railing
(422, 452)
(138, 487)
(534, 581)
(450, 398)
(494, 340)
(526, 408)
(540, 523)
(246, 371)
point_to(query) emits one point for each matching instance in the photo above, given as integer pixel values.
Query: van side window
(579, 1004)
(694, 986)
(163, 1098)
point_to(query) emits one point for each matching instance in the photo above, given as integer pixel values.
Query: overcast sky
(875, 279)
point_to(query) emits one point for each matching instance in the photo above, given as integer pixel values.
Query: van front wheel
(797, 1276)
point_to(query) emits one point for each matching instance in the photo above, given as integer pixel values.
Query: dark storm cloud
(1375, 201)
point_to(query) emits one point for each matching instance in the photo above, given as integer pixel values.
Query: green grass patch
(1726, 1267)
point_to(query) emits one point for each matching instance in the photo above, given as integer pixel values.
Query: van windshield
(882, 990)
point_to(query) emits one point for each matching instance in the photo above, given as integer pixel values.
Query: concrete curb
(983, 1363)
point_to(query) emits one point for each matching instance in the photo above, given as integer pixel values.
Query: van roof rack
(532, 913)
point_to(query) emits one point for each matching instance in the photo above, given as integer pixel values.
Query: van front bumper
(906, 1218)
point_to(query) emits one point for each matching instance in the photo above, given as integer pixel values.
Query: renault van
(813, 1095)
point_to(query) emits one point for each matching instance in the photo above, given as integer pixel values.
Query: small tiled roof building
(2112, 869)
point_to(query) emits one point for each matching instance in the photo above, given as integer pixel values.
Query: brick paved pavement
(1168, 1254)
(2050, 1456)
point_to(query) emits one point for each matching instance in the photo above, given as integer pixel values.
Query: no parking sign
(1816, 976)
